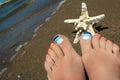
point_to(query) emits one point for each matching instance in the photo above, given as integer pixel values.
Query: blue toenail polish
(86, 35)
(58, 39)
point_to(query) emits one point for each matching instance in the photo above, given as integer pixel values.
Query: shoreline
(10, 40)
(28, 64)
(18, 48)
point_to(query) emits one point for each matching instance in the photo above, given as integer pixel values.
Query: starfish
(84, 23)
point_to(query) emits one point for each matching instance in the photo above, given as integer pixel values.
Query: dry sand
(29, 63)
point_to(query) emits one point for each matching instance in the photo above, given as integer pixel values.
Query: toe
(96, 41)
(49, 78)
(102, 43)
(49, 61)
(47, 67)
(53, 55)
(85, 42)
(116, 49)
(64, 44)
(109, 46)
(56, 49)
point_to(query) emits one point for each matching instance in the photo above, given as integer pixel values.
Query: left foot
(62, 61)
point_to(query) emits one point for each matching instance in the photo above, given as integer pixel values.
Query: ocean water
(19, 20)
(1, 1)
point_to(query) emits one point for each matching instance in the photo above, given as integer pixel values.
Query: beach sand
(29, 63)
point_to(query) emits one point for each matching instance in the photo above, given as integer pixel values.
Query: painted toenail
(52, 44)
(58, 39)
(102, 38)
(108, 41)
(49, 49)
(86, 35)
(47, 55)
(97, 34)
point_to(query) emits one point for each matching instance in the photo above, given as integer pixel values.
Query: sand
(29, 63)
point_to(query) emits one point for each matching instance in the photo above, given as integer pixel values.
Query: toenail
(86, 35)
(97, 34)
(102, 38)
(47, 55)
(52, 44)
(108, 41)
(49, 49)
(58, 39)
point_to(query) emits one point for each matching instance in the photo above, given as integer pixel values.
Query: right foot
(101, 58)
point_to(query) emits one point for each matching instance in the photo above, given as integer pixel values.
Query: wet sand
(29, 63)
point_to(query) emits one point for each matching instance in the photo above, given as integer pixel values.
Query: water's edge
(17, 46)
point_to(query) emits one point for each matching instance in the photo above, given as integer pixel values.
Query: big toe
(64, 44)
(85, 42)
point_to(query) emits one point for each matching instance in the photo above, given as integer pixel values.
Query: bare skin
(101, 58)
(63, 63)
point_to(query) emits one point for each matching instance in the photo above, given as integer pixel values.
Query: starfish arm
(84, 11)
(78, 26)
(77, 38)
(72, 20)
(95, 19)
(91, 30)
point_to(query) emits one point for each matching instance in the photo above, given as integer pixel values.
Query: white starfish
(84, 23)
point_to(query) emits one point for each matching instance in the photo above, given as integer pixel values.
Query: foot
(101, 58)
(62, 61)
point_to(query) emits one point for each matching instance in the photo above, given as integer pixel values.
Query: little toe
(53, 55)
(64, 44)
(56, 49)
(96, 41)
(85, 42)
(116, 49)
(109, 46)
(102, 43)
(50, 61)
(49, 78)
(47, 67)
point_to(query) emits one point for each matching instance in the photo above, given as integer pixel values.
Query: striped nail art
(86, 35)
(58, 39)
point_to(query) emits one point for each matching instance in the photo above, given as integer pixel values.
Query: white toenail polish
(86, 35)
(58, 39)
